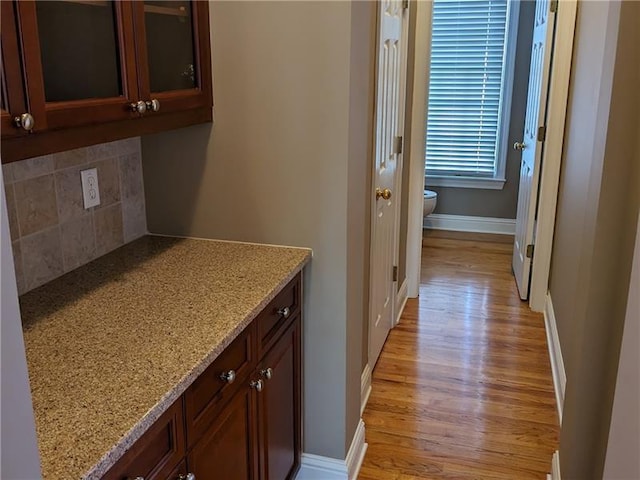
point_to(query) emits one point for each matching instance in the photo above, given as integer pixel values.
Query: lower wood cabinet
(241, 419)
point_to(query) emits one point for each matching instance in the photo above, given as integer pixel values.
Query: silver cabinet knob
(139, 106)
(136, 478)
(24, 121)
(188, 476)
(519, 146)
(229, 376)
(153, 105)
(267, 373)
(285, 312)
(257, 385)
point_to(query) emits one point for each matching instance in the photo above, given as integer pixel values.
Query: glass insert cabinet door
(79, 58)
(172, 67)
(12, 94)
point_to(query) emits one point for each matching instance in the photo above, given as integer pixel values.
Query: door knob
(153, 105)
(139, 106)
(519, 146)
(380, 193)
(24, 121)
(257, 385)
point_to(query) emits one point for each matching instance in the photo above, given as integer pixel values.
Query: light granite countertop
(111, 345)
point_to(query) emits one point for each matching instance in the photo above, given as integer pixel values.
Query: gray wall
(284, 162)
(624, 435)
(19, 458)
(597, 215)
(499, 203)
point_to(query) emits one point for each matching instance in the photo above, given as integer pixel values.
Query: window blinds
(466, 81)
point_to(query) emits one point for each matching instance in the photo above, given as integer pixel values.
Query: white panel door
(531, 145)
(388, 130)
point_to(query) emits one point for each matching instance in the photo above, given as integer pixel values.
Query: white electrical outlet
(90, 189)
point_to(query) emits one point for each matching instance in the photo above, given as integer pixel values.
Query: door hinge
(405, 4)
(394, 273)
(542, 133)
(530, 251)
(553, 6)
(397, 145)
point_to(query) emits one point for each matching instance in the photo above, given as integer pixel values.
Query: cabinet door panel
(79, 60)
(12, 82)
(173, 51)
(227, 451)
(279, 406)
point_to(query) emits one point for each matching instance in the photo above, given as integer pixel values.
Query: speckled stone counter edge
(118, 450)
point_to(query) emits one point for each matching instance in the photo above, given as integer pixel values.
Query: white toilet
(429, 205)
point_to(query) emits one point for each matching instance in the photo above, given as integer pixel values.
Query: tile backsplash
(51, 232)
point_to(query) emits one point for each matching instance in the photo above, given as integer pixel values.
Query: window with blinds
(467, 81)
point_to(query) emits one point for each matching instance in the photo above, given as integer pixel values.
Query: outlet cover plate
(90, 189)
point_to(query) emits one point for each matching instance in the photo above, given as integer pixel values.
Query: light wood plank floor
(463, 387)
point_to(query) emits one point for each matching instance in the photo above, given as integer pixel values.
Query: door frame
(558, 95)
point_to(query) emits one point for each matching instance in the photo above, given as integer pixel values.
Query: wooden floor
(463, 387)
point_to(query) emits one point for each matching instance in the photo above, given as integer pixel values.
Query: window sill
(465, 182)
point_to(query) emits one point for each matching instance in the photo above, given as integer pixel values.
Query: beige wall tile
(70, 158)
(32, 167)
(102, 151)
(41, 257)
(17, 264)
(11, 213)
(134, 220)
(69, 194)
(129, 145)
(108, 227)
(7, 173)
(78, 242)
(36, 204)
(51, 231)
(131, 177)
(108, 181)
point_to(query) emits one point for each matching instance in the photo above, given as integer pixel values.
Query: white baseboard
(365, 387)
(462, 223)
(555, 354)
(403, 295)
(317, 467)
(555, 467)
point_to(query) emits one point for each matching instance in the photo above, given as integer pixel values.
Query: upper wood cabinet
(90, 71)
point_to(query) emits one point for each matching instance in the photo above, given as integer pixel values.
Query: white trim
(401, 301)
(552, 155)
(555, 467)
(463, 223)
(415, 151)
(465, 182)
(365, 387)
(555, 355)
(317, 467)
(356, 452)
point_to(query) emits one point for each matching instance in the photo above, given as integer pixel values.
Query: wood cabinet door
(279, 407)
(228, 449)
(79, 61)
(12, 95)
(173, 54)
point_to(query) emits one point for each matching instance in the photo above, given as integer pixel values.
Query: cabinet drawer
(274, 319)
(210, 391)
(155, 455)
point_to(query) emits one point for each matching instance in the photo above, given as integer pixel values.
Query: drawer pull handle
(257, 385)
(285, 312)
(267, 373)
(229, 376)
(188, 476)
